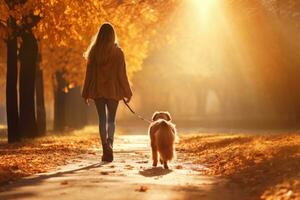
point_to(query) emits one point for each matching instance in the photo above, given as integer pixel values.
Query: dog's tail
(165, 141)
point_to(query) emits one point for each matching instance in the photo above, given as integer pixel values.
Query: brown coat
(108, 81)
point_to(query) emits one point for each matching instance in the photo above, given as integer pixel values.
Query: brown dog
(162, 134)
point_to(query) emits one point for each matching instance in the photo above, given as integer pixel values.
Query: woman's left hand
(127, 99)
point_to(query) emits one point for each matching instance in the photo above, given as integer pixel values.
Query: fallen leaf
(142, 188)
(142, 161)
(179, 167)
(104, 173)
(65, 182)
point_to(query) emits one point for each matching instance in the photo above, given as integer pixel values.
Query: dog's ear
(168, 116)
(155, 115)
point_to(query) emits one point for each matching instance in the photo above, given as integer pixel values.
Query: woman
(106, 83)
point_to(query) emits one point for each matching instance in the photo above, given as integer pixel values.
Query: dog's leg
(166, 165)
(161, 161)
(154, 154)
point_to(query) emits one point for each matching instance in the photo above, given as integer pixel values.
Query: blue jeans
(107, 109)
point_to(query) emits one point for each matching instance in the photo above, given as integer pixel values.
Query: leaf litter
(263, 166)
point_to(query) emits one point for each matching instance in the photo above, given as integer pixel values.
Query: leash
(133, 112)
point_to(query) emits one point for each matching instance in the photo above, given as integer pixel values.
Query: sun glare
(205, 9)
(203, 33)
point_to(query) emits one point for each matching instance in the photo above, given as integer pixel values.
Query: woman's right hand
(87, 101)
(127, 99)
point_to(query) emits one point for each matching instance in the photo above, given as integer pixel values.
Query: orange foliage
(63, 43)
(67, 27)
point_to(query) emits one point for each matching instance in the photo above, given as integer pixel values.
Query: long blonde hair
(102, 45)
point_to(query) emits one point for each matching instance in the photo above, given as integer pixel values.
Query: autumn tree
(70, 25)
(40, 99)
(28, 61)
(11, 73)
(135, 23)
(11, 85)
(19, 24)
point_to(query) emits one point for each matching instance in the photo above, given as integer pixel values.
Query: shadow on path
(36, 179)
(156, 171)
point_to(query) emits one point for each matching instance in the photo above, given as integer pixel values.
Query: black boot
(110, 156)
(107, 153)
(104, 152)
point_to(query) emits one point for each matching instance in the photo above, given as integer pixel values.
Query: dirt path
(130, 176)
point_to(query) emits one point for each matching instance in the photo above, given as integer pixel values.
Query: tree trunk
(28, 60)
(11, 87)
(69, 108)
(40, 101)
(59, 102)
(75, 118)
